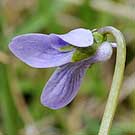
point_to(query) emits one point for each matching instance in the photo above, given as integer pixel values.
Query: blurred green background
(20, 86)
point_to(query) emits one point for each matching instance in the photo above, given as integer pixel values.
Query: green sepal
(99, 38)
(84, 53)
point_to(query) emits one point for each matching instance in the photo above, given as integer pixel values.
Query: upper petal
(63, 86)
(37, 51)
(79, 37)
(57, 42)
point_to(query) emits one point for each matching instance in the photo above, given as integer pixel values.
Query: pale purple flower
(43, 51)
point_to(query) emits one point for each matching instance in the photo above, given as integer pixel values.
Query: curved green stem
(117, 79)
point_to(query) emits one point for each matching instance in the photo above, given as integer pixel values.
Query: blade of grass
(8, 109)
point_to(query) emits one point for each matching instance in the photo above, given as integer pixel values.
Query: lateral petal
(37, 51)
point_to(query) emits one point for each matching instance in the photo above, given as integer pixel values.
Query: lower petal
(63, 86)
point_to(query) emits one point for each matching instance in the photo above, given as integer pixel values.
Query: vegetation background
(20, 86)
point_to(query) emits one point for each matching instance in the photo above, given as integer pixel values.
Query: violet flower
(44, 51)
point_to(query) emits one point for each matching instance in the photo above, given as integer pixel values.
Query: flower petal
(57, 42)
(104, 52)
(63, 86)
(37, 51)
(79, 37)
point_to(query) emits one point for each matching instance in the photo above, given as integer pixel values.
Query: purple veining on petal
(42, 51)
(79, 37)
(63, 86)
(36, 50)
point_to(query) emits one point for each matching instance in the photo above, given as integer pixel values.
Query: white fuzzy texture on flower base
(104, 52)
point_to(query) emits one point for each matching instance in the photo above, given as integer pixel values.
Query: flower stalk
(117, 79)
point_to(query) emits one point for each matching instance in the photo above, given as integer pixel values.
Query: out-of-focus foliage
(20, 86)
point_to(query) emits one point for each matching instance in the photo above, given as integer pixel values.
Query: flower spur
(45, 51)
